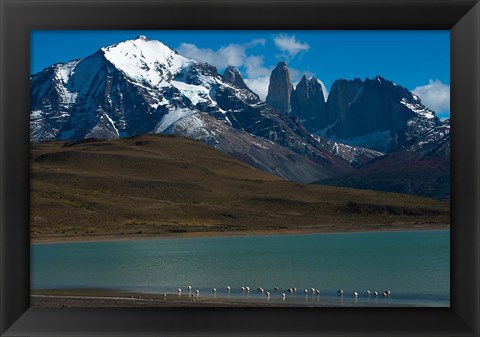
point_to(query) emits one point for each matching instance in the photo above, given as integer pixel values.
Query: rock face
(361, 108)
(280, 88)
(375, 113)
(232, 75)
(308, 103)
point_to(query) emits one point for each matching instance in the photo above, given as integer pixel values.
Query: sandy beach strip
(151, 236)
(143, 301)
(91, 297)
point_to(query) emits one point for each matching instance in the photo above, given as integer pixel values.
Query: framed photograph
(226, 168)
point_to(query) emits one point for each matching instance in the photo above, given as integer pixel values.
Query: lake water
(414, 265)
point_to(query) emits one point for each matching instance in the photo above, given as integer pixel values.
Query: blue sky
(417, 60)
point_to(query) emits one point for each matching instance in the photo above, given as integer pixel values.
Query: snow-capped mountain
(119, 91)
(142, 86)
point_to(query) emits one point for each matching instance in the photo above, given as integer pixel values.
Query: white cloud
(255, 68)
(225, 56)
(255, 42)
(435, 95)
(232, 54)
(259, 85)
(295, 75)
(256, 77)
(289, 45)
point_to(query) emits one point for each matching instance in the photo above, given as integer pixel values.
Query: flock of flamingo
(314, 291)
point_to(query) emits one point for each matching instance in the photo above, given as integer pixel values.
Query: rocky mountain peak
(375, 113)
(198, 73)
(303, 81)
(233, 76)
(307, 88)
(280, 88)
(308, 103)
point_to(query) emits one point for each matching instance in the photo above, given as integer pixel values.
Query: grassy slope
(161, 185)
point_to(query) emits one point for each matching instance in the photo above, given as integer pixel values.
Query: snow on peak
(63, 72)
(418, 108)
(147, 62)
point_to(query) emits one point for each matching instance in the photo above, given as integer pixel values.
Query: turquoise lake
(414, 265)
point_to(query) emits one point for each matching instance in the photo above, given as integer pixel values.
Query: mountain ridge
(142, 86)
(123, 90)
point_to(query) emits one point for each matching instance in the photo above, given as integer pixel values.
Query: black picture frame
(19, 17)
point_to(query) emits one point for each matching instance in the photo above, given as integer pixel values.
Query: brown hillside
(154, 185)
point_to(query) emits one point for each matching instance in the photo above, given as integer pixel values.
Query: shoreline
(158, 236)
(115, 297)
(66, 301)
(66, 298)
